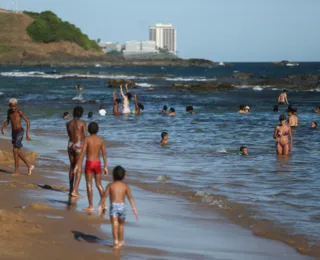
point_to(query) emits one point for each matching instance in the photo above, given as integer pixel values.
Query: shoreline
(40, 175)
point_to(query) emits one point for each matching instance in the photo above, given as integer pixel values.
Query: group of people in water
(93, 147)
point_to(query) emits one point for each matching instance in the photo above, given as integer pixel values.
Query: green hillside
(48, 28)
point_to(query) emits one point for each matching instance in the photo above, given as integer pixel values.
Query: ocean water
(202, 154)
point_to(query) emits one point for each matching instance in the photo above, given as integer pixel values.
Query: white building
(165, 36)
(138, 48)
(148, 46)
(133, 46)
(110, 46)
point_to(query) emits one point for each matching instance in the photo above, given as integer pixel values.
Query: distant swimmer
(79, 88)
(164, 110)
(281, 134)
(77, 133)
(164, 138)
(243, 150)
(293, 120)
(90, 114)
(275, 108)
(283, 98)
(246, 109)
(116, 102)
(138, 106)
(172, 112)
(66, 115)
(14, 116)
(94, 147)
(190, 110)
(313, 125)
(117, 191)
(102, 111)
(126, 100)
(317, 110)
(241, 109)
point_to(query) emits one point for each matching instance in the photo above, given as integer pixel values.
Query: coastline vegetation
(48, 27)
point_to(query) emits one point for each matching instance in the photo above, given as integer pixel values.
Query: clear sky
(220, 30)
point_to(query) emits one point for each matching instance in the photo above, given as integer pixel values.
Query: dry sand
(41, 222)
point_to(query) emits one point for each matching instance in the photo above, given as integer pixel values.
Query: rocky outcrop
(115, 83)
(211, 86)
(7, 157)
(242, 76)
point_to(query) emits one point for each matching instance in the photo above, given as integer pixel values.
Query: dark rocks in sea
(116, 83)
(209, 86)
(242, 76)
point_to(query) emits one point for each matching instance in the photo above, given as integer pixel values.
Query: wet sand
(40, 222)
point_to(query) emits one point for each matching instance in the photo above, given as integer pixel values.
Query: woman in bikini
(281, 134)
(126, 100)
(116, 102)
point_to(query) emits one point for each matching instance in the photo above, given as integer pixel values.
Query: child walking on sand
(118, 191)
(93, 145)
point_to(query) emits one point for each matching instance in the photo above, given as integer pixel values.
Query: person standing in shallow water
(281, 134)
(77, 133)
(283, 98)
(14, 116)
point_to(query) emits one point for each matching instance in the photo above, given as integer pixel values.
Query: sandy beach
(38, 220)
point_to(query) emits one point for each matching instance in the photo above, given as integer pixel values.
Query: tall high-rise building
(165, 36)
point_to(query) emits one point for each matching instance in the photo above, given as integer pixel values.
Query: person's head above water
(93, 128)
(90, 114)
(118, 173)
(244, 150)
(275, 108)
(314, 124)
(65, 114)
(189, 108)
(242, 106)
(172, 110)
(165, 108)
(164, 134)
(101, 106)
(282, 118)
(77, 111)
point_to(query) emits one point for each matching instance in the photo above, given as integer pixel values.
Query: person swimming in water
(172, 112)
(116, 102)
(293, 120)
(313, 125)
(90, 114)
(138, 106)
(281, 134)
(126, 100)
(164, 110)
(164, 138)
(190, 110)
(79, 88)
(241, 111)
(283, 98)
(66, 115)
(243, 150)
(317, 110)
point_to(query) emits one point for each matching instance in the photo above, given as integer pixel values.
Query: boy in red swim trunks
(93, 146)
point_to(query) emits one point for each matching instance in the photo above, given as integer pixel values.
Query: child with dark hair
(164, 110)
(94, 147)
(172, 112)
(116, 102)
(164, 136)
(90, 114)
(314, 124)
(78, 112)
(138, 106)
(118, 191)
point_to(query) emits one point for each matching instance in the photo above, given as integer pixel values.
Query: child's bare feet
(116, 244)
(75, 194)
(30, 169)
(89, 209)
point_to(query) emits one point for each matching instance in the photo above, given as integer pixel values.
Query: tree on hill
(48, 27)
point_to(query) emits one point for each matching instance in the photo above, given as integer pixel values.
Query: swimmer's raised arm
(121, 92)
(136, 101)
(114, 97)
(127, 88)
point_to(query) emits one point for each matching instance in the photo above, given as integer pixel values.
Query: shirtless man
(118, 190)
(14, 116)
(77, 133)
(93, 145)
(164, 138)
(283, 98)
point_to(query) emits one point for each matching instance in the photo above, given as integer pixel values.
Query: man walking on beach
(77, 133)
(14, 116)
